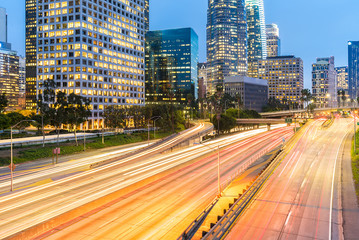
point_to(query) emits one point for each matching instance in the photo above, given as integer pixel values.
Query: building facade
(226, 41)
(284, 75)
(253, 92)
(3, 25)
(171, 65)
(342, 79)
(353, 68)
(9, 75)
(91, 48)
(257, 39)
(324, 84)
(147, 15)
(30, 47)
(273, 40)
(202, 80)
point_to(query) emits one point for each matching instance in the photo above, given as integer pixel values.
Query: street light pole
(219, 173)
(154, 127)
(218, 167)
(354, 133)
(148, 127)
(11, 152)
(11, 161)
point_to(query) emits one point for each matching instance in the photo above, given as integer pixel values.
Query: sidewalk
(48, 139)
(68, 164)
(349, 199)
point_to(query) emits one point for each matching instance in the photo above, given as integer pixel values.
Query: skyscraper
(353, 61)
(324, 86)
(273, 40)
(3, 25)
(226, 40)
(147, 15)
(9, 75)
(30, 54)
(91, 48)
(257, 40)
(284, 75)
(342, 79)
(171, 65)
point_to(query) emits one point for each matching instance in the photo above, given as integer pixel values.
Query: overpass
(259, 121)
(301, 113)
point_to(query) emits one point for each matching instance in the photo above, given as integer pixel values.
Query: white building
(93, 48)
(324, 82)
(3, 25)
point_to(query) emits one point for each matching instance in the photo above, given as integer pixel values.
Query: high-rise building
(9, 75)
(30, 47)
(3, 25)
(22, 83)
(353, 68)
(342, 79)
(284, 75)
(257, 39)
(252, 91)
(273, 40)
(226, 41)
(324, 85)
(91, 48)
(202, 80)
(171, 65)
(147, 15)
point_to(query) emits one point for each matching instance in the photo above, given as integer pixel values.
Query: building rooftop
(244, 79)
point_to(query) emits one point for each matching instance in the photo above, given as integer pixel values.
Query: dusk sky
(308, 28)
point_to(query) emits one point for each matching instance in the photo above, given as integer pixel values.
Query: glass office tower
(171, 65)
(257, 40)
(353, 61)
(226, 41)
(30, 54)
(273, 40)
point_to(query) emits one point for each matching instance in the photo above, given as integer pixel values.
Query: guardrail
(223, 226)
(196, 224)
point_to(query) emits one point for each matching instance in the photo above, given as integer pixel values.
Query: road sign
(288, 120)
(357, 123)
(13, 167)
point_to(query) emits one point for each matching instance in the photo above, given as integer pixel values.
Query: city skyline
(295, 31)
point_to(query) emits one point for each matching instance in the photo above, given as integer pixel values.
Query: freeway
(301, 200)
(64, 199)
(164, 208)
(33, 173)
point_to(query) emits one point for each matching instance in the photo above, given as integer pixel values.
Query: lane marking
(332, 190)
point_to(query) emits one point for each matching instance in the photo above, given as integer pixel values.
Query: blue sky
(308, 28)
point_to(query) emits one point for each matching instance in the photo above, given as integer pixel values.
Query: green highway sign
(288, 120)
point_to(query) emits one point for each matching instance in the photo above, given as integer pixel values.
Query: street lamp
(328, 96)
(148, 127)
(154, 126)
(11, 152)
(225, 105)
(218, 167)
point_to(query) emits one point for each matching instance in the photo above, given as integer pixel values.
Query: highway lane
(27, 208)
(29, 176)
(301, 199)
(163, 209)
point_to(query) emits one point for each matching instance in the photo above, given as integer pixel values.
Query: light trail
(91, 186)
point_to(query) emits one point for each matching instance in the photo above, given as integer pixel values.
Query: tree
(306, 96)
(226, 123)
(78, 111)
(4, 102)
(115, 117)
(15, 118)
(4, 121)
